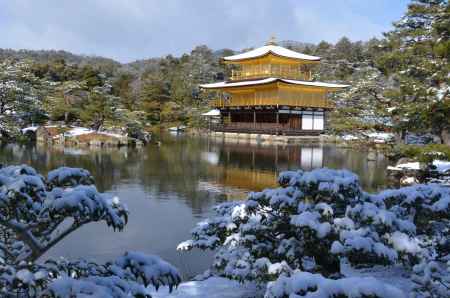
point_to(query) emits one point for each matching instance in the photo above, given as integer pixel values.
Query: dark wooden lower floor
(277, 122)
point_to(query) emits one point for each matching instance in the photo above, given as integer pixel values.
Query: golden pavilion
(271, 91)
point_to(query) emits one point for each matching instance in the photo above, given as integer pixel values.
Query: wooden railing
(308, 100)
(270, 70)
(262, 128)
(257, 125)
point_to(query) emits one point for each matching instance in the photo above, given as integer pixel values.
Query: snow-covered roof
(271, 80)
(273, 49)
(212, 113)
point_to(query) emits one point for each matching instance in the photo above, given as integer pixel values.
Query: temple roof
(212, 113)
(220, 85)
(273, 49)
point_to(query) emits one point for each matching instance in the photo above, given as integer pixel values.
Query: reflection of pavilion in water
(253, 167)
(247, 167)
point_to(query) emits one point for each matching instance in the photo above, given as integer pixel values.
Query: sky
(127, 30)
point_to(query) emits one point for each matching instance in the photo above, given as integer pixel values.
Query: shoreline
(270, 140)
(114, 141)
(75, 136)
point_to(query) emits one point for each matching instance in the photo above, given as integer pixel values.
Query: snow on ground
(376, 137)
(77, 131)
(218, 287)
(391, 109)
(30, 128)
(213, 287)
(442, 92)
(380, 137)
(349, 137)
(405, 166)
(441, 166)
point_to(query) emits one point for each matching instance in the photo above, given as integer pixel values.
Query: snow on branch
(32, 212)
(66, 176)
(85, 203)
(316, 221)
(33, 207)
(129, 274)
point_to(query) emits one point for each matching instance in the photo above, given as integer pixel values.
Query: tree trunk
(2, 107)
(445, 136)
(97, 124)
(399, 137)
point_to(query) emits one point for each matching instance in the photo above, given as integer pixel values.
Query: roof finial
(272, 41)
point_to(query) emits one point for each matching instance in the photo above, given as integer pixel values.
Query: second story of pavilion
(271, 61)
(272, 76)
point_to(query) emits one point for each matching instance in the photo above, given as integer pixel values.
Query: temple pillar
(253, 159)
(276, 157)
(278, 121)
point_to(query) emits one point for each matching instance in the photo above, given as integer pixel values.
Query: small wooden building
(271, 91)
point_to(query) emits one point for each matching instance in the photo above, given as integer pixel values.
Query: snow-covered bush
(432, 278)
(38, 212)
(317, 220)
(305, 284)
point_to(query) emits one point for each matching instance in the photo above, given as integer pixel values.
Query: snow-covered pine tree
(20, 98)
(97, 110)
(364, 106)
(418, 52)
(298, 236)
(37, 212)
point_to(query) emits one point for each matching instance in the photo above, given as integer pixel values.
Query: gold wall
(286, 71)
(275, 95)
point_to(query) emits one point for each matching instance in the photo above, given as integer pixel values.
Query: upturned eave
(227, 85)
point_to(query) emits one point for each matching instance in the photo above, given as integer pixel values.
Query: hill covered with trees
(399, 82)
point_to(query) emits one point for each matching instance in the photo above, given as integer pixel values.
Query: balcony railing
(262, 128)
(313, 102)
(265, 71)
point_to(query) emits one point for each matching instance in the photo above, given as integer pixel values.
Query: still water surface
(169, 188)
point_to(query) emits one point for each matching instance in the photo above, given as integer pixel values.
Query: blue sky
(135, 29)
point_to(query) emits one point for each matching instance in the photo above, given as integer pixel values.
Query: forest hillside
(399, 82)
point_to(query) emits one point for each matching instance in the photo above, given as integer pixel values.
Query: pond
(170, 187)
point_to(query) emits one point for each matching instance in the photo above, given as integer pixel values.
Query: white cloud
(332, 22)
(133, 29)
